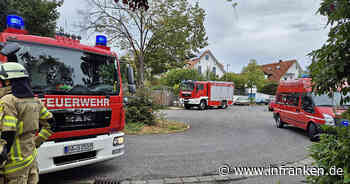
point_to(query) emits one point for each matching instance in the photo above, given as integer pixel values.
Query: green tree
(239, 81)
(39, 15)
(210, 76)
(177, 35)
(254, 75)
(4, 11)
(135, 4)
(160, 38)
(330, 68)
(270, 88)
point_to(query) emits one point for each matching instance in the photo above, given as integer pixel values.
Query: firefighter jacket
(25, 116)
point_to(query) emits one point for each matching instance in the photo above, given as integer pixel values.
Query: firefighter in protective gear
(21, 115)
(4, 90)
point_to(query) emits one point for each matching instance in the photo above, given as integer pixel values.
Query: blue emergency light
(305, 76)
(101, 40)
(345, 123)
(14, 21)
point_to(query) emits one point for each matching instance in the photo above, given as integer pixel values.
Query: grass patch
(161, 127)
(133, 128)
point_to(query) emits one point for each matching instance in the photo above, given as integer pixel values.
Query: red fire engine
(81, 85)
(206, 94)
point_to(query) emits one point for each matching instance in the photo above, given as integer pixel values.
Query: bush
(333, 150)
(140, 108)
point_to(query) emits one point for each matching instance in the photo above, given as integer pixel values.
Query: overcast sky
(265, 30)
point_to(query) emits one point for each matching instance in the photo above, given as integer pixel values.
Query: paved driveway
(239, 136)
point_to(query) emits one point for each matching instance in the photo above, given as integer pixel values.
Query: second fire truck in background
(205, 94)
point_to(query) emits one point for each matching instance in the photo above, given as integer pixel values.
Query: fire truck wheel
(312, 131)
(187, 106)
(223, 105)
(202, 105)
(279, 123)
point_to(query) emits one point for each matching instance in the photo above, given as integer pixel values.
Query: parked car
(261, 101)
(243, 100)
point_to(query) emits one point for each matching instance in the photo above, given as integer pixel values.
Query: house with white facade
(282, 70)
(206, 62)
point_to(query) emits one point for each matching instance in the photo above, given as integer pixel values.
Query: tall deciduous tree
(39, 15)
(253, 74)
(135, 4)
(159, 38)
(239, 81)
(330, 68)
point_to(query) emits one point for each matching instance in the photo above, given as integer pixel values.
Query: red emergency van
(297, 105)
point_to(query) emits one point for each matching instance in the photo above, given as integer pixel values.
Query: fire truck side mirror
(9, 49)
(131, 80)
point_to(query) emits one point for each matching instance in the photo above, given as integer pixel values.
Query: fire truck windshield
(56, 70)
(187, 86)
(325, 100)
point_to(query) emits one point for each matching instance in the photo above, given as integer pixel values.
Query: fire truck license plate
(78, 148)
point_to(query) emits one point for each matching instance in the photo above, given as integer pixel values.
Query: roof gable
(276, 71)
(193, 62)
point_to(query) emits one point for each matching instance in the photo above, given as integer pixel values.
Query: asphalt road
(238, 136)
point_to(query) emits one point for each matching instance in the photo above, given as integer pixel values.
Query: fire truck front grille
(186, 95)
(78, 119)
(68, 159)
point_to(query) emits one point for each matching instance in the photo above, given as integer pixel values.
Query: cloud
(306, 27)
(266, 30)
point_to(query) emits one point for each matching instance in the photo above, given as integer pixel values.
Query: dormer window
(278, 67)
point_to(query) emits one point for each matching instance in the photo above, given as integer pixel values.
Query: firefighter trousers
(27, 175)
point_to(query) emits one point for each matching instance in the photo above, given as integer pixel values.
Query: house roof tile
(277, 70)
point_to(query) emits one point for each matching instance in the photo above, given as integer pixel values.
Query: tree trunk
(141, 70)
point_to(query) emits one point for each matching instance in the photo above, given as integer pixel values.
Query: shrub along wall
(140, 108)
(333, 152)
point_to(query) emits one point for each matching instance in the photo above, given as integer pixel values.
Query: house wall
(208, 64)
(292, 73)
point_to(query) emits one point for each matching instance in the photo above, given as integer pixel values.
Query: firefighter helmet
(12, 70)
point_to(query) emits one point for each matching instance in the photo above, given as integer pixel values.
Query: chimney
(280, 61)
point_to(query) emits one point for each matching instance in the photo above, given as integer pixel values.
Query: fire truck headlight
(118, 141)
(329, 119)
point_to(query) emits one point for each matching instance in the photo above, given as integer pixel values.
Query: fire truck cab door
(200, 90)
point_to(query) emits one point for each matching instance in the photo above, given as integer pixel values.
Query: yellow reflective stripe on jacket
(15, 166)
(9, 121)
(44, 113)
(15, 152)
(20, 128)
(44, 134)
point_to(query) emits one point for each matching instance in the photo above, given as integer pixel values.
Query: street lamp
(227, 65)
